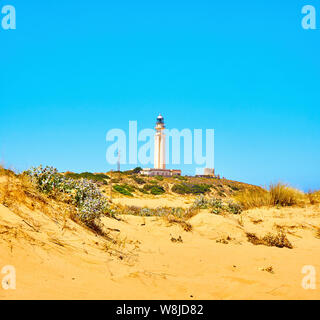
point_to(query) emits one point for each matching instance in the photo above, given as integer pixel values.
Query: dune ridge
(151, 257)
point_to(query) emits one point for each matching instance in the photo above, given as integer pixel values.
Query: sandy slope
(57, 259)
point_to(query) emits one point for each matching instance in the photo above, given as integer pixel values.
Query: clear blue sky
(75, 69)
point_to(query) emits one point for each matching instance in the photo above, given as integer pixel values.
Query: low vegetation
(138, 180)
(217, 206)
(283, 195)
(98, 177)
(182, 178)
(156, 212)
(82, 193)
(279, 240)
(314, 197)
(277, 195)
(17, 191)
(171, 215)
(233, 187)
(176, 240)
(136, 170)
(157, 190)
(38, 188)
(187, 188)
(249, 199)
(154, 189)
(124, 189)
(7, 172)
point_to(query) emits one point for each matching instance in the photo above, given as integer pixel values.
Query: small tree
(137, 170)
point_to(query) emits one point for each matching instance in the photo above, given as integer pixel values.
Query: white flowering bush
(84, 194)
(201, 202)
(89, 200)
(47, 179)
(217, 206)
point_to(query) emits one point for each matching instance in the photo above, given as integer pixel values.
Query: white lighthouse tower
(160, 144)
(160, 154)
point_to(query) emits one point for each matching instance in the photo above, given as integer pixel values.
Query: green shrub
(127, 172)
(100, 177)
(133, 171)
(200, 188)
(160, 178)
(138, 180)
(182, 178)
(233, 187)
(143, 190)
(156, 190)
(185, 188)
(129, 187)
(124, 189)
(180, 189)
(148, 187)
(137, 170)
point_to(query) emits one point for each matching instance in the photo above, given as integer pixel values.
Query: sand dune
(155, 202)
(55, 258)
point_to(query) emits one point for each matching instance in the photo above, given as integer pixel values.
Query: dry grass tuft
(283, 195)
(256, 198)
(314, 197)
(279, 240)
(6, 172)
(17, 193)
(178, 240)
(184, 224)
(14, 191)
(278, 195)
(268, 269)
(256, 221)
(2, 170)
(18, 190)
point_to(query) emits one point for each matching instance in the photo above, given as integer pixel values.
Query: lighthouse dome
(160, 119)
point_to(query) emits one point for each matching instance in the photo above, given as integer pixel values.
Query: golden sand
(55, 258)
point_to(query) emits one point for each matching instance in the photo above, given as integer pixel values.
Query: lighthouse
(160, 144)
(160, 153)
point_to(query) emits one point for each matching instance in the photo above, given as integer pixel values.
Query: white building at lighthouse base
(160, 172)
